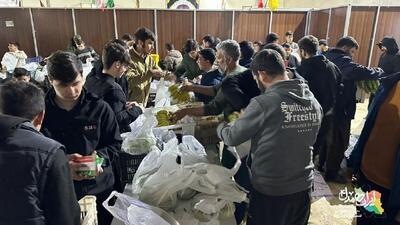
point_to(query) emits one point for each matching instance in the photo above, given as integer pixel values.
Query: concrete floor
(356, 128)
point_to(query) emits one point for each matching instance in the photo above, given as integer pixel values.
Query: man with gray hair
(227, 57)
(228, 54)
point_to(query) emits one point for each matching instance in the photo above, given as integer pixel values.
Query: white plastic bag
(134, 212)
(149, 165)
(143, 216)
(352, 143)
(141, 139)
(161, 188)
(192, 151)
(163, 98)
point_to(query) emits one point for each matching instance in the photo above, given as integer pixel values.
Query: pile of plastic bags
(180, 179)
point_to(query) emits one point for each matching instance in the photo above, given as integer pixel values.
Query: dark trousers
(293, 209)
(370, 218)
(242, 177)
(324, 140)
(335, 153)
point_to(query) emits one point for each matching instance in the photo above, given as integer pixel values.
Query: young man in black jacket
(85, 124)
(39, 190)
(345, 106)
(102, 83)
(323, 78)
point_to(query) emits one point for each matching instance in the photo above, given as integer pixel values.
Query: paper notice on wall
(9, 23)
(9, 2)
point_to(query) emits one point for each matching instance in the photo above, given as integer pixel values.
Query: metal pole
(329, 25)
(73, 21)
(347, 23)
(33, 33)
(155, 29)
(233, 24)
(371, 50)
(194, 25)
(307, 28)
(270, 22)
(115, 24)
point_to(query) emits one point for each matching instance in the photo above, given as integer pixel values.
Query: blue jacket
(356, 156)
(210, 78)
(351, 72)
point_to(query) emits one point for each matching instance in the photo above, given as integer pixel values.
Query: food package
(89, 165)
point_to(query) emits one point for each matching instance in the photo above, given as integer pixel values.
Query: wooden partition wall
(216, 23)
(20, 32)
(319, 23)
(251, 26)
(175, 27)
(336, 25)
(388, 25)
(285, 21)
(367, 24)
(128, 20)
(364, 33)
(54, 28)
(48, 23)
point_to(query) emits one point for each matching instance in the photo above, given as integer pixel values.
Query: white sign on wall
(9, 23)
(9, 3)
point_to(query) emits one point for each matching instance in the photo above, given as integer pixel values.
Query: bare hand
(129, 105)
(180, 114)
(170, 77)
(187, 86)
(158, 73)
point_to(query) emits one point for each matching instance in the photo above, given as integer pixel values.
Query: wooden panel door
(388, 25)
(21, 32)
(285, 21)
(251, 26)
(95, 26)
(361, 27)
(218, 24)
(54, 35)
(175, 27)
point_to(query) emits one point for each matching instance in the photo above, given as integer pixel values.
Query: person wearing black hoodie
(85, 125)
(240, 89)
(322, 77)
(102, 83)
(345, 106)
(390, 58)
(246, 53)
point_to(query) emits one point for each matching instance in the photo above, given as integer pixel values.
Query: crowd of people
(296, 102)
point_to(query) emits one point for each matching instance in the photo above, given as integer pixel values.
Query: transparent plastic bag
(163, 97)
(142, 138)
